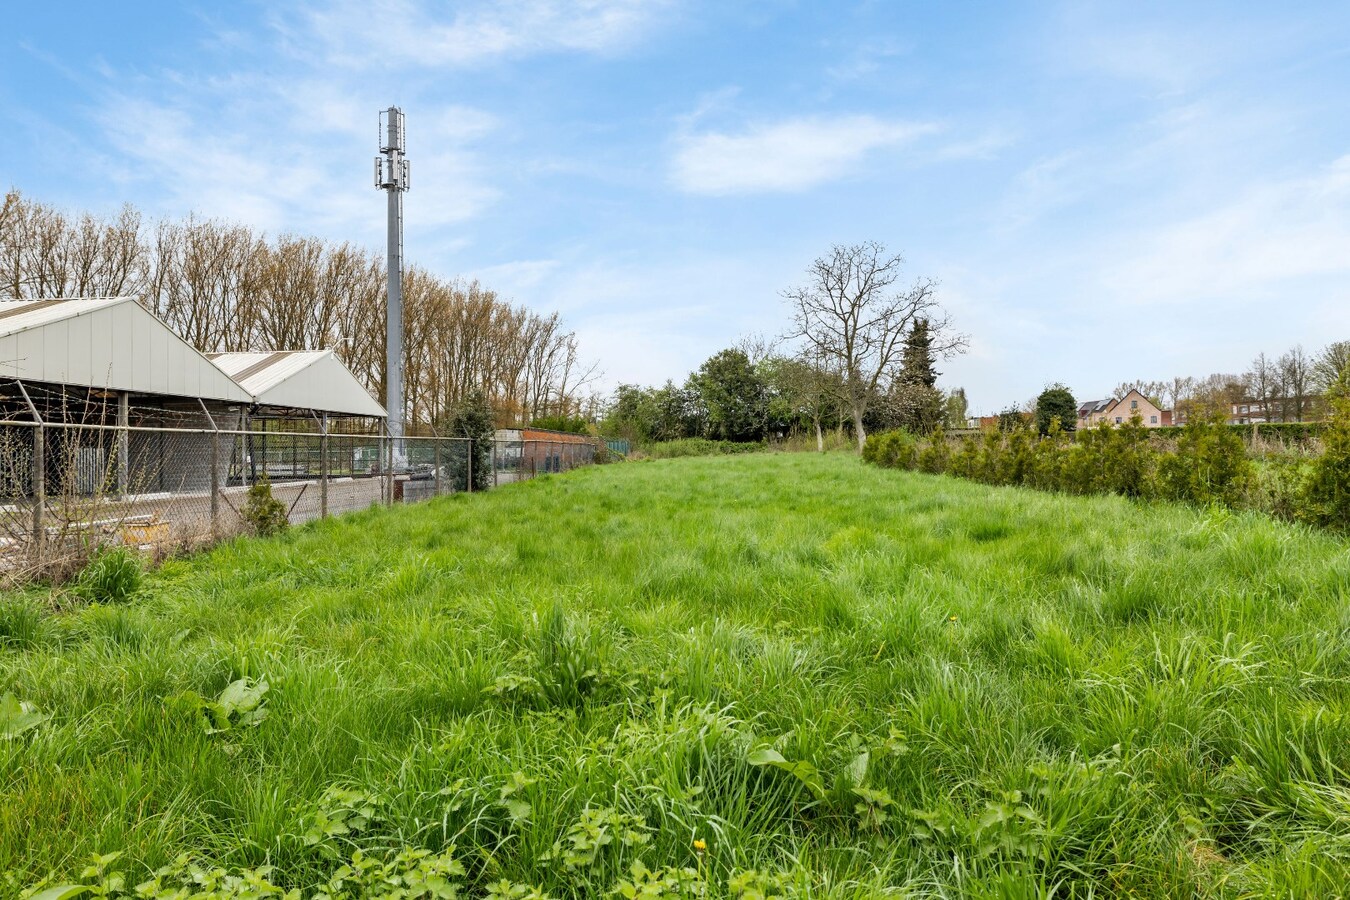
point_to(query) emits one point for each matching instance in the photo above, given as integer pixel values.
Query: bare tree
(1213, 394)
(223, 286)
(1296, 382)
(1262, 383)
(807, 388)
(1176, 389)
(1330, 363)
(757, 347)
(1153, 390)
(848, 314)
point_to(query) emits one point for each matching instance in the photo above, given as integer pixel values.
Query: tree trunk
(820, 437)
(858, 429)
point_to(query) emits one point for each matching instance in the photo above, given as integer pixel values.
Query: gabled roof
(1091, 407)
(111, 343)
(299, 379)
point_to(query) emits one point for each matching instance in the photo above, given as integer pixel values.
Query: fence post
(39, 490)
(469, 468)
(215, 486)
(123, 442)
(492, 459)
(323, 467)
(436, 467)
(389, 469)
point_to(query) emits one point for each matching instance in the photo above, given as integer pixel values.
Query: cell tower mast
(391, 174)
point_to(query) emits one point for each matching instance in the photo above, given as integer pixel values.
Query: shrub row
(1208, 465)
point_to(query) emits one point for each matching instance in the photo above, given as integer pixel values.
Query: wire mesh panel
(508, 462)
(18, 500)
(67, 488)
(435, 466)
(357, 472)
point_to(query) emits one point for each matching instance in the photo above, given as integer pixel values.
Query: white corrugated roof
(299, 379)
(112, 343)
(21, 315)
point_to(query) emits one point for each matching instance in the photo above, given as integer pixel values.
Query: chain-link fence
(66, 489)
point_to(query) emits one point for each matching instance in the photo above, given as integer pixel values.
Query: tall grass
(785, 673)
(697, 447)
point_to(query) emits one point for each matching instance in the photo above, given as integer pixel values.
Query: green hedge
(1207, 465)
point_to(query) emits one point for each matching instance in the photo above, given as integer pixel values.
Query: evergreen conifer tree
(918, 402)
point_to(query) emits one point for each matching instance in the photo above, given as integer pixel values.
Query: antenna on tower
(392, 171)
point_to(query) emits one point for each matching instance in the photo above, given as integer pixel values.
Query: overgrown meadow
(744, 676)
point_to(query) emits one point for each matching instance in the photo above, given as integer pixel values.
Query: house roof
(299, 379)
(111, 343)
(1095, 406)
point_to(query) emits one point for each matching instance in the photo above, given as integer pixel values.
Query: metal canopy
(299, 379)
(108, 343)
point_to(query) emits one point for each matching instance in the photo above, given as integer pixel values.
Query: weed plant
(264, 514)
(113, 575)
(773, 675)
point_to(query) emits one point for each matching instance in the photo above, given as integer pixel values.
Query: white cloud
(289, 145)
(1248, 249)
(229, 150)
(790, 155)
(382, 33)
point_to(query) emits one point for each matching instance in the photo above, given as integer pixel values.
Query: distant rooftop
(299, 379)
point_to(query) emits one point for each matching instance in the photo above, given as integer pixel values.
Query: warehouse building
(129, 402)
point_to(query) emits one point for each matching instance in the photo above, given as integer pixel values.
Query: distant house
(1118, 412)
(1248, 411)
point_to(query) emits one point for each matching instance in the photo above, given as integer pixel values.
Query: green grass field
(787, 674)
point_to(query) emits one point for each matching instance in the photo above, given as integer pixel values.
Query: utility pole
(391, 175)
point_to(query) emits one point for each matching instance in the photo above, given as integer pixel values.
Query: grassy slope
(1166, 687)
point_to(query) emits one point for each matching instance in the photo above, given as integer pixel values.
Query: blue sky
(1105, 191)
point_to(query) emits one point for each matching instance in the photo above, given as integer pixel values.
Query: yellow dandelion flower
(700, 845)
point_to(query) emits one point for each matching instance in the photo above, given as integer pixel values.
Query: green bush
(264, 514)
(568, 424)
(890, 449)
(1326, 494)
(1128, 463)
(1047, 470)
(113, 575)
(1276, 486)
(471, 418)
(872, 446)
(935, 453)
(1210, 465)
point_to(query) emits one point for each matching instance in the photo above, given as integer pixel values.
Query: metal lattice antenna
(391, 175)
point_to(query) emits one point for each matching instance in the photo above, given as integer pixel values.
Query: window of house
(1117, 420)
(1153, 420)
(1134, 404)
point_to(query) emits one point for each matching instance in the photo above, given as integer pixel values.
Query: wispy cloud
(1251, 248)
(387, 33)
(789, 155)
(248, 153)
(865, 59)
